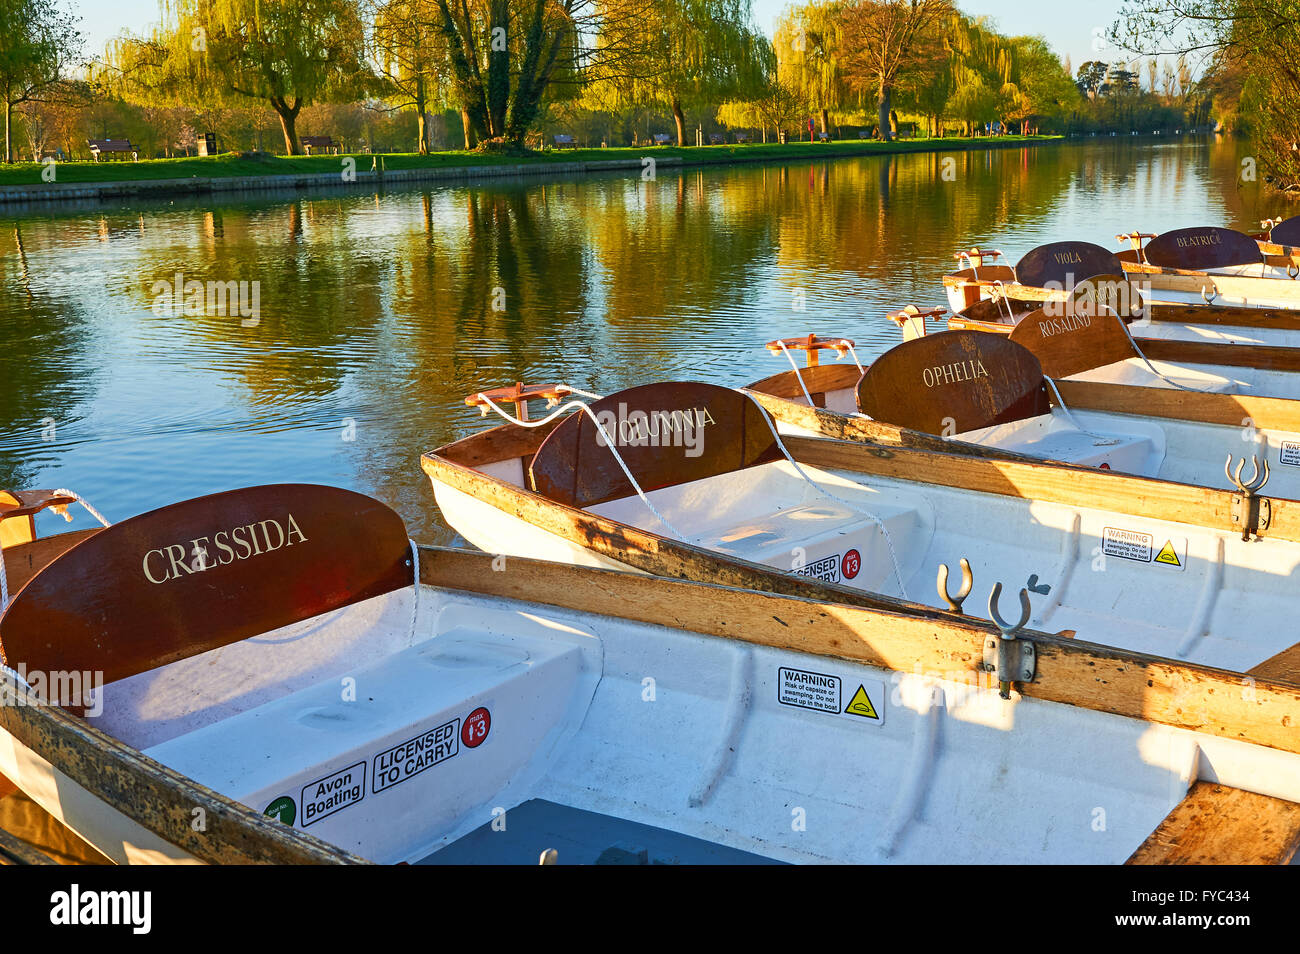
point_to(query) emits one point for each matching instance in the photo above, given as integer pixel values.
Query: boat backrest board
(1203, 247)
(1071, 338)
(952, 382)
(1064, 264)
(203, 573)
(1286, 232)
(666, 434)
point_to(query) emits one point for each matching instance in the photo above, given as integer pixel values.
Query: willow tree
(808, 42)
(39, 43)
(285, 53)
(987, 74)
(507, 56)
(880, 44)
(1257, 39)
(693, 52)
(408, 49)
(776, 105)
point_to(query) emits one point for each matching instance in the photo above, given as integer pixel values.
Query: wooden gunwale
(1262, 357)
(153, 795)
(1070, 671)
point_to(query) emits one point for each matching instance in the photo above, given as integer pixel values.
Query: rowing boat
(701, 487)
(324, 701)
(1228, 303)
(959, 390)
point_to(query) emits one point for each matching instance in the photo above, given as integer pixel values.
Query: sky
(1068, 25)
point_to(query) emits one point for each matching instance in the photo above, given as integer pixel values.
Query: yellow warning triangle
(860, 705)
(1168, 555)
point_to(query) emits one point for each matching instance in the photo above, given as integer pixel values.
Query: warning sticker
(1290, 453)
(860, 704)
(413, 756)
(1127, 544)
(333, 793)
(808, 690)
(1145, 548)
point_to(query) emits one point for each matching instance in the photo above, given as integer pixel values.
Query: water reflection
(379, 312)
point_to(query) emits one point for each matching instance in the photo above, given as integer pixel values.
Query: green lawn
(29, 173)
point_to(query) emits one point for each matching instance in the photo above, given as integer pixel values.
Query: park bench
(112, 147)
(864, 133)
(662, 139)
(823, 137)
(319, 142)
(742, 137)
(716, 139)
(565, 141)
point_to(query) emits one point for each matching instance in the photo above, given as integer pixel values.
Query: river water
(377, 313)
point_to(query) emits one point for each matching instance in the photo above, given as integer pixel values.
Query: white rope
(1102, 439)
(1150, 366)
(889, 542)
(609, 442)
(61, 492)
(797, 373)
(415, 598)
(844, 343)
(546, 420)
(1000, 298)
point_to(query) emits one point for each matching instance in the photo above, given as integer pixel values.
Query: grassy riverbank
(226, 166)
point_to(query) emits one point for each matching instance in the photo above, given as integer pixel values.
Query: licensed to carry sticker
(1141, 547)
(408, 759)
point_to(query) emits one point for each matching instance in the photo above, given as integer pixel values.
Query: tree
(286, 53)
(695, 52)
(880, 43)
(1046, 85)
(1092, 76)
(409, 51)
(38, 45)
(807, 43)
(776, 106)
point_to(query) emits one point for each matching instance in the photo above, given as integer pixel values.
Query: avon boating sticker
(1290, 453)
(408, 759)
(333, 793)
(1144, 547)
(822, 692)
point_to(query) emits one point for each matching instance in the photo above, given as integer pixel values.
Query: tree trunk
(883, 99)
(470, 140)
(421, 123)
(681, 122)
(288, 123)
(9, 109)
(826, 121)
(498, 78)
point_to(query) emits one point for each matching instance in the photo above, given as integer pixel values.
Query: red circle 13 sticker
(851, 565)
(476, 727)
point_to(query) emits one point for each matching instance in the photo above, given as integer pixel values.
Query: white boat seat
(1053, 437)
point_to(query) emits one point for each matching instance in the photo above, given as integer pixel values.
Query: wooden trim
(1070, 671)
(988, 327)
(24, 561)
(1229, 286)
(155, 796)
(1217, 825)
(1049, 482)
(1266, 414)
(836, 426)
(15, 851)
(1264, 357)
(1283, 319)
(818, 379)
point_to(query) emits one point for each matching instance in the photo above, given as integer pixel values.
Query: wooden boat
(313, 703)
(1203, 285)
(870, 524)
(959, 390)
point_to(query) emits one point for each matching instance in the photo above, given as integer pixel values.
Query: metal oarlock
(967, 581)
(1014, 660)
(1209, 293)
(1250, 512)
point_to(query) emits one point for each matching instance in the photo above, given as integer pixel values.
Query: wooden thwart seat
(319, 142)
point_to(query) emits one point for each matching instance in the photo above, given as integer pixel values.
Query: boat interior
(478, 715)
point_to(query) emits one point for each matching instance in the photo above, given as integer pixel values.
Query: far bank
(55, 182)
